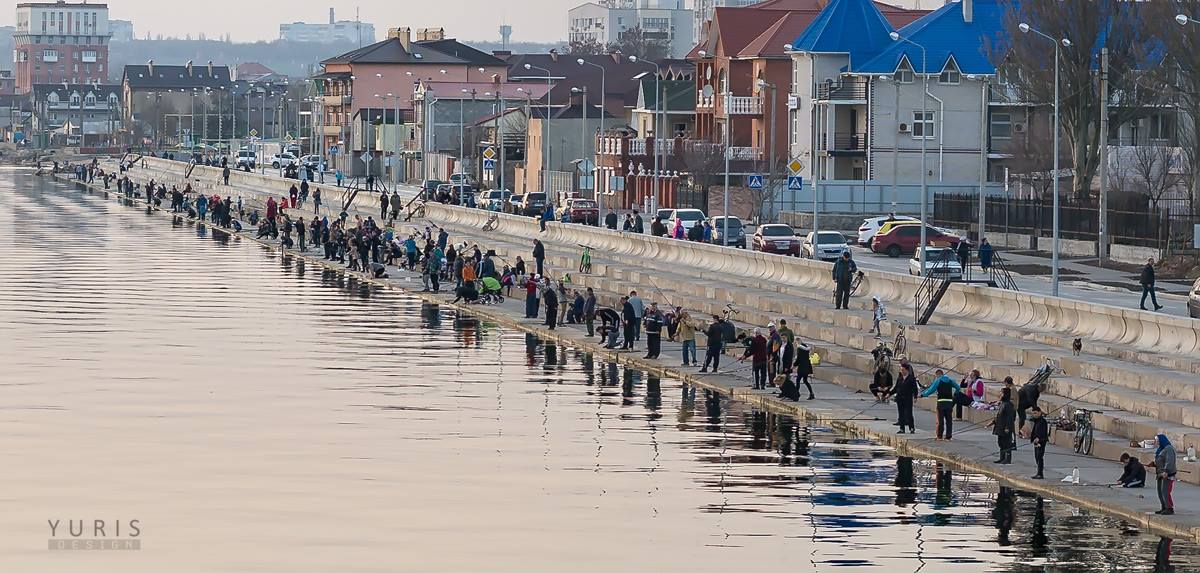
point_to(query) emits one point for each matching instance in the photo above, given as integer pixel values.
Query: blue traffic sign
(755, 182)
(795, 183)
(489, 164)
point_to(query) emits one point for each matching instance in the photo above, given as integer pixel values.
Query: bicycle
(585, 260)
(1084, 431)
(492, 222)
(857, 282)
(900, 344)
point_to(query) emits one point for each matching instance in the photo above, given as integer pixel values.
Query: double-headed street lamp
(925, 123)
(1026, 28)
(546, 132)
(658, 107)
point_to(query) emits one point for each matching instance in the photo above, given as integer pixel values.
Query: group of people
(700, 231)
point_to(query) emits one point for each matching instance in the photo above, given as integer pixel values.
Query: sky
(252, 20)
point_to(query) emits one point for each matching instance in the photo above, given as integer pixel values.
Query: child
(878, 315)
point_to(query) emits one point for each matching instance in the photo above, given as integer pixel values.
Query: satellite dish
(707, 91)
(708, 73)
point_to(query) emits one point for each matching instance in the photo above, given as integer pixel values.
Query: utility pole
(983, 161)
(1102, 236)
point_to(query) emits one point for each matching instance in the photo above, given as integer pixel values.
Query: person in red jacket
(757, 350)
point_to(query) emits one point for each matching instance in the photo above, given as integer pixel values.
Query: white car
(246, 157)
(830, 246)
(689, 217)
(939, 261)
(283, 159)
(871, 226)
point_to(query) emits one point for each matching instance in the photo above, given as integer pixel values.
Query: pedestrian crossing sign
(489, 164)
(795, 183)
(755, 182)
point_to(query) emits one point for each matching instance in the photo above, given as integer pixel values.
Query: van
(245, 157)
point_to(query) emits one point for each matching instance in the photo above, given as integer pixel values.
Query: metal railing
(849, 142)
(853, 90)
(1000, 275)
(933, 287)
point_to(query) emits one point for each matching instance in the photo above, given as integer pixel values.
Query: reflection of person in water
(1004, 513)
(906, 493)
(944, 479)
(1162, 556)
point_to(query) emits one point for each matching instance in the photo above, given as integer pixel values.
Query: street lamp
(925, 123)
(763, 84)
(1026, 28)
(546, 136)
(582, 130)
(462, 156)
(658, 97)
(603, 95)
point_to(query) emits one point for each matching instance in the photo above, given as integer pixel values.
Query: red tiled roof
(783, 31)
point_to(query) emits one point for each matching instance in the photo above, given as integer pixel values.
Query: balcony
(848, 143)
(742, 105)
(331, 130)
(745, 153)
(851, 90)
(1003, 95)
(335, 100)
(703, 102)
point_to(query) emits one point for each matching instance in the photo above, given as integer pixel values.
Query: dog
(1077, 346)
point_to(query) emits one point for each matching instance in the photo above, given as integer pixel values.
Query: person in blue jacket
(944, 387)
(547, 215)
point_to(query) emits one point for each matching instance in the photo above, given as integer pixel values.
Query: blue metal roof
(854, 27)
(945, 35)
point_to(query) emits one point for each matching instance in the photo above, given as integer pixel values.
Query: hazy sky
(250, 20)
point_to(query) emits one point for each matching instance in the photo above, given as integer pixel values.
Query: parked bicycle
(1080, 424)
(585, 260)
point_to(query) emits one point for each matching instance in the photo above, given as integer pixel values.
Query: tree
(585, 47)
(1032, 160)
(1179, 78)
(636, 42)
(1155, 172)
(1027, 64)
(705, 163)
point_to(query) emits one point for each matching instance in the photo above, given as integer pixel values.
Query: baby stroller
(492, 293)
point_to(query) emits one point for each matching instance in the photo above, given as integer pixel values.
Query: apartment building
(60, 41)
(665, 21)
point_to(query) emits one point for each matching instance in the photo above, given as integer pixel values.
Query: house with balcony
(384, 75)
(84, 115)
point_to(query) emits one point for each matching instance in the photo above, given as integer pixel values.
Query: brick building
(60, 41)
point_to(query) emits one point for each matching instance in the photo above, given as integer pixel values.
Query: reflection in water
(265, 410)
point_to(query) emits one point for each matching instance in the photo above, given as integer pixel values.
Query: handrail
(927, 293)
(1001, 275)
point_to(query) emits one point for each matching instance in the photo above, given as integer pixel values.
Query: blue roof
(854, 27)
(945, 35)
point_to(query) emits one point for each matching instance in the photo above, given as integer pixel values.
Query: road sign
(755, 182)
(795, 183)
(333, 150)
(795, 166)
(253, 133)
(366, 158)
(288, 138)
(489, 164)
(489, 153)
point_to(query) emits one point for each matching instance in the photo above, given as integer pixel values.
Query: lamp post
(658, 105)
(1026, 28)
(396, 119)
(762, 84)
(925, 123)
(462, 156)
(582, 128)
(546, 135)
(603, 95)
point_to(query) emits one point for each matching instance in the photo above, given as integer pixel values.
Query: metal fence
(1077, 219)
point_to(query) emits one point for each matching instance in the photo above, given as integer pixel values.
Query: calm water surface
(255, 414)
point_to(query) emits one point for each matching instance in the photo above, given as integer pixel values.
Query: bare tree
(705, 163)
(1178, 77)
(637, 42)
(1033, 159)
(1154, 166)
(774, 180)
(1028, 65)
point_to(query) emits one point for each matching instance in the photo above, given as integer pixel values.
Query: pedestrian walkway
(843, 405)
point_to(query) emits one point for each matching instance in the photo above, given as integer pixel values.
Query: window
(904, 73)
(1001, 125)
(74, 99)
(950, 74)
(1160, 127)
(50, 55)
(52, 98)
(923, 125)
(89, 56)
(90, 100)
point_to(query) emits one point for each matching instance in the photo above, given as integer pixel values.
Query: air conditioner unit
(1018, 128)
(904, 128)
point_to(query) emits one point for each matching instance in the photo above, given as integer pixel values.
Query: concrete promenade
(841, 380)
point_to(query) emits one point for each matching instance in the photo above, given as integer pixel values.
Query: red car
(581, 211)
(776, 238)
(903, 240)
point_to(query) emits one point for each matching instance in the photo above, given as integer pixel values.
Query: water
(257, 414)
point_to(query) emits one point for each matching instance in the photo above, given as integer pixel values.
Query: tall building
(121, 30)
(6, 45)
(60, 41)
(705, 8)
(335, 31)
(665, 21)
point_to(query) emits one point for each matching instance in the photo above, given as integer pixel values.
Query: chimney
(150, 67)
(404, 35)
(331, 15)
(189, 68)
(968, 7)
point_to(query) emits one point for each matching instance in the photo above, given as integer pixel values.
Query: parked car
(292, 149)
(454, 192)
(873, 225)
(830, 246)
(903, 239)
(664, 214)
(514, 204)
(688, 217)
(494, 199)
(312, 161)
(532, 204)
(939, 261)
(1194, 301)
(430, 186)
(583, 211)
(283, 160)
(465, 177)
(737, 233)
(776, 238)
(246, 157)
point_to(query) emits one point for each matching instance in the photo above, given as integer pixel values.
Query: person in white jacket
(878, 315)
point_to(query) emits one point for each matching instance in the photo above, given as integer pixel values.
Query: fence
(1078, 220)
(865, 198)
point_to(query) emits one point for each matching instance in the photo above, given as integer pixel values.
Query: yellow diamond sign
(795, 166)
(489, 153)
